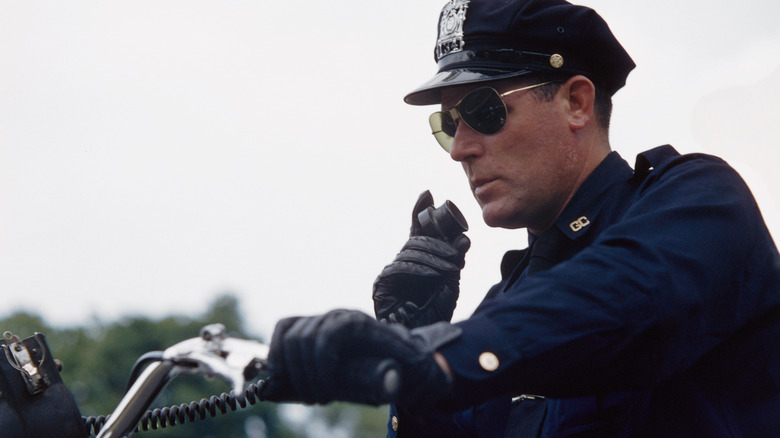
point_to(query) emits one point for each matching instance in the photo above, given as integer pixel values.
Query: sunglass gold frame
(436, 119)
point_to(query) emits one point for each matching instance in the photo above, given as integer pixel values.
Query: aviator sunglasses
(482, 109)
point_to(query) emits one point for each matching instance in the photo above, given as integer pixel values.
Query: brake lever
(215, 354)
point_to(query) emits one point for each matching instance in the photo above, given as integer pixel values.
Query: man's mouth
(480, 186)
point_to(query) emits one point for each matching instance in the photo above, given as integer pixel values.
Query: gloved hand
(334, 357)
(421, 286)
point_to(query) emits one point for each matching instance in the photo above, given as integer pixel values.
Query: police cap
(486, 40)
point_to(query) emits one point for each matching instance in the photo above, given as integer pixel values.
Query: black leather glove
(421, 286)
(339, 356)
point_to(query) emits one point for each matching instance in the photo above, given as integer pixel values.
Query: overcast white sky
(154, 154)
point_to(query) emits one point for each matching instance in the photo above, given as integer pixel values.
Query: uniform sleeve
(677, 274)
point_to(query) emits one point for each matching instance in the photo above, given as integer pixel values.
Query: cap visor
(430, 92)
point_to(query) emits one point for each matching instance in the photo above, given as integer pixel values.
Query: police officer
(648, 300)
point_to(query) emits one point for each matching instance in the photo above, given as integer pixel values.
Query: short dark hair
(602, 105)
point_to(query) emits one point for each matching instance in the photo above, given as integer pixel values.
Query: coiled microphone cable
(159, 418)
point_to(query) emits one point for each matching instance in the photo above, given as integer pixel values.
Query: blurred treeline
(98, 357)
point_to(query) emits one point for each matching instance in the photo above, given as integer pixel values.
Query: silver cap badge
(451, 28)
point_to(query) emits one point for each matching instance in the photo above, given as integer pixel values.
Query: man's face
(523, 175)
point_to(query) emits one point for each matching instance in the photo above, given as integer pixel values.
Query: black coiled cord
(187, 412)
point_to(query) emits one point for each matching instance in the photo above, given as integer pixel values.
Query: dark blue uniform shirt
(650, 309)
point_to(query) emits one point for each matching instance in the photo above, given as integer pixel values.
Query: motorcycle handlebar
(235, 360)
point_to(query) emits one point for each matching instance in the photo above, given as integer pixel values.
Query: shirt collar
(584, 207)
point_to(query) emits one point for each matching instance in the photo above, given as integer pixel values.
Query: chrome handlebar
(213, 354)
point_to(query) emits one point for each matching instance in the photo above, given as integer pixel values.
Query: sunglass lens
(443, 128)
(448, 126)
(483, 110)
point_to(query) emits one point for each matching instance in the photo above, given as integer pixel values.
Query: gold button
(488, 361)
(394, 423)
(556, 61)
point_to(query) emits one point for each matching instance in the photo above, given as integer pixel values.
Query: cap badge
(451, 28)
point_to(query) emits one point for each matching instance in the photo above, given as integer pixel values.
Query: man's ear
(581, 95)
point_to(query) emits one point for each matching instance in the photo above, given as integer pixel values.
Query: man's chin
(495, 219)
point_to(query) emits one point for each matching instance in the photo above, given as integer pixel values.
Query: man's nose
(466, 143)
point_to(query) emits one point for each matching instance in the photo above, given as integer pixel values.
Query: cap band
(504, 59)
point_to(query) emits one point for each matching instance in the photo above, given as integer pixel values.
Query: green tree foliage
(97, 360)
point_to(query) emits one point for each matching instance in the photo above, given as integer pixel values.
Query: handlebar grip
(370, 380)
(387, 375)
